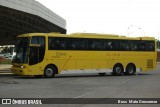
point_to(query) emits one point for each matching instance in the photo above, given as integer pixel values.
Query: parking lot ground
(141, 85)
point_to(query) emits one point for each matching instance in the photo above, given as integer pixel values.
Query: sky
(123, 17)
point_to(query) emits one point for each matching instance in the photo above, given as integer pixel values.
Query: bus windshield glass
(21, 49)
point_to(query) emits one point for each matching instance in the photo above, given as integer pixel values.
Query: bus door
(36, 55)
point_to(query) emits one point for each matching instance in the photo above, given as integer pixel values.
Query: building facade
(27, 16)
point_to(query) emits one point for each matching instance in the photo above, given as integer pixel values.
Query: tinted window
(150, 46)
(141, 45)
(124, 45)
(107, 45)
(38, 40)
(57, 43)
(76, 44)
(94, 44)
(110, 45)
(34, 40)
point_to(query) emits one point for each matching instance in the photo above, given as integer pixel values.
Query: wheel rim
(130, 70)
(118, 70)
(49, 72)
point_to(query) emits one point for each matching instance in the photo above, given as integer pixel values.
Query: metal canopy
(14, 22)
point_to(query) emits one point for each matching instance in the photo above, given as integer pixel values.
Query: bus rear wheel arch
(50, 71)
(118, 69)
(130, 69)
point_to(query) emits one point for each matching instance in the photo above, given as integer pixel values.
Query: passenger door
(36, 55)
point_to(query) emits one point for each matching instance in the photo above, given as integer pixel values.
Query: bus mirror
(34, 45)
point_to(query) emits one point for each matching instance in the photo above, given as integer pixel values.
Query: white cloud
(109, 16)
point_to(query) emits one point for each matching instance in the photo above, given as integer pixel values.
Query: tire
(117, 70)
(102, 74)
(130, 69)
(50, 71)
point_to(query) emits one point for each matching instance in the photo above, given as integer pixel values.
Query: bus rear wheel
(117, 70)
(49, 71)
(130, 69)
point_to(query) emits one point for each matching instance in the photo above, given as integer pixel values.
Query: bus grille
(149, 63)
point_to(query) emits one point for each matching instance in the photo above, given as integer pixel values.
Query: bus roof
(95, 34)
(87, 35)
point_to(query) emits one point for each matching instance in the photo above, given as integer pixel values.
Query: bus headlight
(23, 66)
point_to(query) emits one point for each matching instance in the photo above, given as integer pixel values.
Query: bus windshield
(21, 49)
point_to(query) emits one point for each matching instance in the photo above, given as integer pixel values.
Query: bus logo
(6, 101)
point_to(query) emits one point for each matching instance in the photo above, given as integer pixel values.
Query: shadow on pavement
(78, 76)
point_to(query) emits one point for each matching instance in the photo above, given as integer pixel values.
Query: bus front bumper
(19, 70)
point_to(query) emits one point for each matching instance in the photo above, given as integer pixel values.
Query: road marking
(85, 94)
(124, 81)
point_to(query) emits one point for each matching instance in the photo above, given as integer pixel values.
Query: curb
(4, 73)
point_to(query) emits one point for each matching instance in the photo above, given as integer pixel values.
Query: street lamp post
(158, 43)
(142, 31)
(128, 30)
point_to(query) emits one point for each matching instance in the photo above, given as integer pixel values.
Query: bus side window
(98, 44)
(108, 45)
(134, 48)
(76, 44)
(62, 44)
(52, 46)
(124, 45)
(72, 44)
(142, 46)
(89, 45)
(81, 45)
(51, 43)
(56, 43)
(150, 46)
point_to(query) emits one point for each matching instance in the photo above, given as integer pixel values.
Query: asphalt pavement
(141, 85)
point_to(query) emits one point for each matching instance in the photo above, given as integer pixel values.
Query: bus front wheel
(49, 71)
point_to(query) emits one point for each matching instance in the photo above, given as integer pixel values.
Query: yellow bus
(47, 54)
